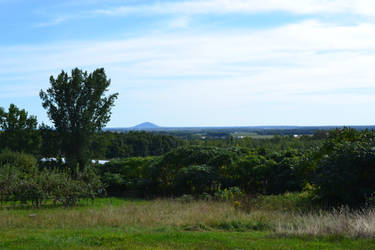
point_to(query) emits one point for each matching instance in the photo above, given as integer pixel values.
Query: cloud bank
(309, 72)
(360, 7)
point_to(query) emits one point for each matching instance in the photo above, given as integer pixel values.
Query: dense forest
(335, 167)
(334, 170)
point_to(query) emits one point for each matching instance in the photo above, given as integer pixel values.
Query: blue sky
(199, 63)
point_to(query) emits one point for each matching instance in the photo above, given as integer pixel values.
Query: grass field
(168, 224)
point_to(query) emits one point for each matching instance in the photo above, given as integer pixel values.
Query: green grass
(85, 203)
(112, 238)
(112, 223)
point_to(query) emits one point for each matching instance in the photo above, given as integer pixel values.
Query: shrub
(298, 201)
(179, 163)
(346, 175)
(196, 180)
(24, 162)
(229, 194)
(9, 177)
(128, 176)
(21, 181)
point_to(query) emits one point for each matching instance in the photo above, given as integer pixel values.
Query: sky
(199, 63)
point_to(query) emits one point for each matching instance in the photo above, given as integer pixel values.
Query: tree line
(334, 167)
(339, 171)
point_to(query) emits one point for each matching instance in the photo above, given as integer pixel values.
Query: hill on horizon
(146, 125)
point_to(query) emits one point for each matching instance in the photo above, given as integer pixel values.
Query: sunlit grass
(199, 214)
(338, 222)
(113, 238)
(171, 224)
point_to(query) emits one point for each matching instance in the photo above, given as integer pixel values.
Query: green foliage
(112, 145)
(229, 194)
(77, 107)
(16, 119)
(51, 142)
(21, 180)
(346, 171)
(24, 162)
(131, 176)
(19, 131)
(297, 202)
(266, 144)
(186, 170)
(340, 169)
(197, 170)
(269, 174)
(217, 161)
(251, 173)
(196, 180)
(9, 177)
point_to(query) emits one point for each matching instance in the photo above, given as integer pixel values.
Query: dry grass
(150, 214)
(340, 222)
(196, 215)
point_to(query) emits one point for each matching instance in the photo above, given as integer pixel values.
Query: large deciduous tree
(78, 107)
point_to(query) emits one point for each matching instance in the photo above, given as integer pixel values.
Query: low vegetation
(338, 222)
(172, 224)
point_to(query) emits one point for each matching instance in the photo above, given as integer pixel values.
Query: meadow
(114, 223)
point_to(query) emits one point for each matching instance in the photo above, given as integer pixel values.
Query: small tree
(78, 107)
(19, 130)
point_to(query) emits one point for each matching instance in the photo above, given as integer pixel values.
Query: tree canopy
(19, 130)
(77, 106)
(16, 119)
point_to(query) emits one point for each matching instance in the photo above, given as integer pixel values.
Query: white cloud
(297, 66)
(361, 7)
(53, 22)
(180, 22)
(184, 9)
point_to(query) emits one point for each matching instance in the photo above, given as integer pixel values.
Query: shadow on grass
(83, 203)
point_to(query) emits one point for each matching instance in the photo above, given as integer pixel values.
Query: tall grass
(155, 213)
(338, 222)
(199, 216)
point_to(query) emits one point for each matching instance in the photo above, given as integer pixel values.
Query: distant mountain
(146, 125)
(282, 130)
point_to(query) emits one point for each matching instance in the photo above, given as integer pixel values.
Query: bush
(274, 173)
(9, 177)
(24, 162)
(345, 172)
(229, 194)
(209, 165)
(196, 180)
(298, 201)
(130, 176)
(21, 181)
(346, 175)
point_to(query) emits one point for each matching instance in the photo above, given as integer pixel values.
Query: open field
(168, 224)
